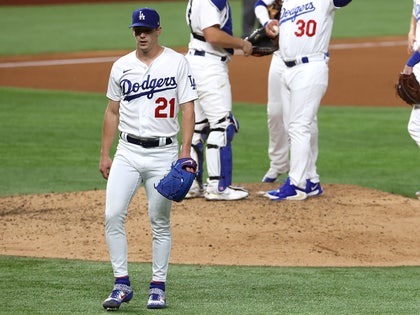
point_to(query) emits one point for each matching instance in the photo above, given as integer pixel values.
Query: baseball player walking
(210, 48)
(147, 88)
(413, 65)
(305, 30)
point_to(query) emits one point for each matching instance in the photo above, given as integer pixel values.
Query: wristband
(414, 59)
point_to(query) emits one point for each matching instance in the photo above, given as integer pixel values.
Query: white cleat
(230, 193)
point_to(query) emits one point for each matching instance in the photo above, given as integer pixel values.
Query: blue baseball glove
(176, 184)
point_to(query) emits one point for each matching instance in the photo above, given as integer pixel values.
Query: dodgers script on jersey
(149, 96)
(203, 14)
(305, 27)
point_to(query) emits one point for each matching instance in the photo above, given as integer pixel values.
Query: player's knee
(223, 131)
(201, 132)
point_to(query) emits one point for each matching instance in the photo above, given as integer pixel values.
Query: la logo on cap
(141, 16)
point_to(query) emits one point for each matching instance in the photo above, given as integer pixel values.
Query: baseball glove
(408, 88)
(176, 184)
(262, 45)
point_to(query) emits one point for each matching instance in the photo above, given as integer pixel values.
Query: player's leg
(414, 124)
(313, 185)
(414, 129)
(301, 94)
(219, 160)
(215, 99)
(201, 132)
(223, 127)
(122, 184)
(278, 144)
(308, 88)
(159, 210)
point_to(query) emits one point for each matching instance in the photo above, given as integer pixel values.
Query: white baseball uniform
(215, 124)
(305, 32)
(150, 98)
(414, 121)
(278, 148)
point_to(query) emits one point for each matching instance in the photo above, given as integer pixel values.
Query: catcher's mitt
(408, 88)
(176, 184)
(262, 45)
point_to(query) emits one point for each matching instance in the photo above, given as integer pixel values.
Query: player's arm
(109, 131)
(187, 128)
(261, 12)
(412, 34)
(215, 36)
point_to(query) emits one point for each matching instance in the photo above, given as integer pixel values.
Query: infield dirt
(346, 226)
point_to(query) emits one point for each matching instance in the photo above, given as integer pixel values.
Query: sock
(123, 280)
(157, 284)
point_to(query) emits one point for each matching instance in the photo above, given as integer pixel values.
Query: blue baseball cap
(145, 17)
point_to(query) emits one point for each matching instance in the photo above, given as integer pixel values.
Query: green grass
(84, 27)
(50, 140)
(42, 286)
(51, 143)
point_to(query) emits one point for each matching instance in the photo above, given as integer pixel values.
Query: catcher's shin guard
(201, 133)
(219, 151)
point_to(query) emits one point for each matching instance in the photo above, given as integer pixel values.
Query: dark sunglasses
(145, 30)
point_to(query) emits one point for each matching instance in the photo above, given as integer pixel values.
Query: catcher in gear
(211, 47)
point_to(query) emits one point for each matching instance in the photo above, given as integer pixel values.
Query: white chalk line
(40, 63)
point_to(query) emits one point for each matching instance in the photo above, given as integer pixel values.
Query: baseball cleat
(268, 179)
(196, 191)
(313, 189)
(418, 194)
(230, 193)
(287, 191)
(121, 293)
(157, 298)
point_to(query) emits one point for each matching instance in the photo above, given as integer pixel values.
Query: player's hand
(407, 70)
(272, 28)
(105, 166)
(247, 48)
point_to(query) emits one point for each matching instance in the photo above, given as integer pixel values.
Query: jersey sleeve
(114, 90)
(186, 89)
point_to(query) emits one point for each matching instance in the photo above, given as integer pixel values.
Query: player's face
(147, 38)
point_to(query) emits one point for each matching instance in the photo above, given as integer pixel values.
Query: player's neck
(147, 57)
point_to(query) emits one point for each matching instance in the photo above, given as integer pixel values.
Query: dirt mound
(346, 226)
